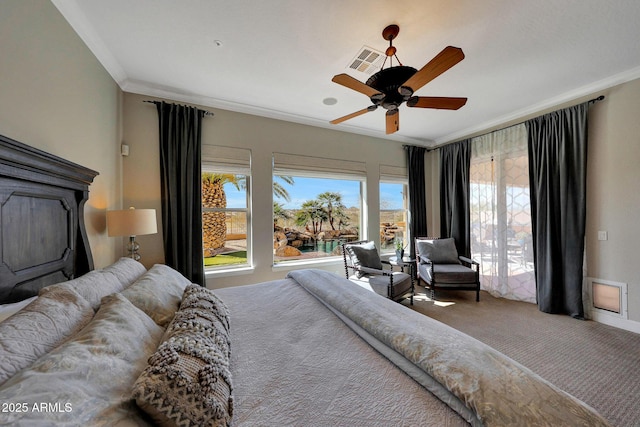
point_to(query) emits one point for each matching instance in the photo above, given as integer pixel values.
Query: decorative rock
(287, 251)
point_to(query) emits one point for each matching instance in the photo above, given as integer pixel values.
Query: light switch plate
(602, 235)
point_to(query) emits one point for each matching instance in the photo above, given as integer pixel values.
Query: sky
(305, 189)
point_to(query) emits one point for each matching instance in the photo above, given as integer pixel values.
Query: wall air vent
(367, 61)
(607, 297)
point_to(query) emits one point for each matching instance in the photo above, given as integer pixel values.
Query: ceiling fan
(390, 87)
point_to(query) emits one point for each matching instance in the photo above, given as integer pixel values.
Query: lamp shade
(131, 222)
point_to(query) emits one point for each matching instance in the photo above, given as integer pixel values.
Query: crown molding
(72, 13)
(566, 97)
(142, 88)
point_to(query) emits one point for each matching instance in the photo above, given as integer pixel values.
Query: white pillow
(158, 293)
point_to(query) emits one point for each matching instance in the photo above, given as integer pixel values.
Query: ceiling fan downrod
(389, 33)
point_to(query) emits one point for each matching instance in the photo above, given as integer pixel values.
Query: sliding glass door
(501, 214)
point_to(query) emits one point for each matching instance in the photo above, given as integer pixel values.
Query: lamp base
(133, 248)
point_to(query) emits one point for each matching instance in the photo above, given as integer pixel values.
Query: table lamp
(132, 222)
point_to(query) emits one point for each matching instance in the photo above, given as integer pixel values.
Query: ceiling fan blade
(352, 115)
(438, 102)
(347, 81)
(446, 59)
(393, 121)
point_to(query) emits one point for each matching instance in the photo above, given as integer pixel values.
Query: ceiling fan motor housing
(388, 81)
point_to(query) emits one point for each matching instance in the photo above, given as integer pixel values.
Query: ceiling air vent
(367, 61)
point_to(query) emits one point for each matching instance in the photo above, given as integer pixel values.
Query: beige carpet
(596, 363)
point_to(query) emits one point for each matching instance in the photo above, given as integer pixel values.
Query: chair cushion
(380, 284)
(364, 255)
(448, 274)
(439, 251)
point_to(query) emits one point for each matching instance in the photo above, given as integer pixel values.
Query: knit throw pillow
(188, 381)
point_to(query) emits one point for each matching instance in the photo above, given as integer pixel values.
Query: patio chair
(439, 267)
(363, 260)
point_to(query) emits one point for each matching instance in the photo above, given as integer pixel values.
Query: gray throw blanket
(494, 389)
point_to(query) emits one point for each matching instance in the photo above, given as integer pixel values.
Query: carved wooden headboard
(42, 234)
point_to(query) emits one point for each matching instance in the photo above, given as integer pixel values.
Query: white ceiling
(277, 57)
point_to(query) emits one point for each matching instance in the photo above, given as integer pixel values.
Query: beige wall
(262, 136)
(57, 97)
(613, 190)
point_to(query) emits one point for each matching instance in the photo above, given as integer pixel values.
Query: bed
(124, 345)
(42, 233)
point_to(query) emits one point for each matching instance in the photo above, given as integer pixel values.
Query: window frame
(404, 181)
(213, 167)
(317, 174)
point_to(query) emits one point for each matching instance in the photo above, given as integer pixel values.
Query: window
(226, 228)
(394, 208)
(317, 206)
(393, 215)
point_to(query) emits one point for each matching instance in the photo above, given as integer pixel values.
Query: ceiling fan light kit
(392, 86)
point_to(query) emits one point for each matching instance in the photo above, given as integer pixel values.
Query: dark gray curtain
(557, 144)
(180, 177)
(455, 162)
(417, 194)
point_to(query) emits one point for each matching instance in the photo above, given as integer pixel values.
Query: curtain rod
(206, 113)
(429, 149)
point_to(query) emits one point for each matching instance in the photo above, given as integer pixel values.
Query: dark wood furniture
(42, 232)
(404, 262)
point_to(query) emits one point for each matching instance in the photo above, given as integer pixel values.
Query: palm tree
(311, 211)
(332, 204)
(279, 212)
(342, 217)
(279, 191)
(214, 224)
(214, 233)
